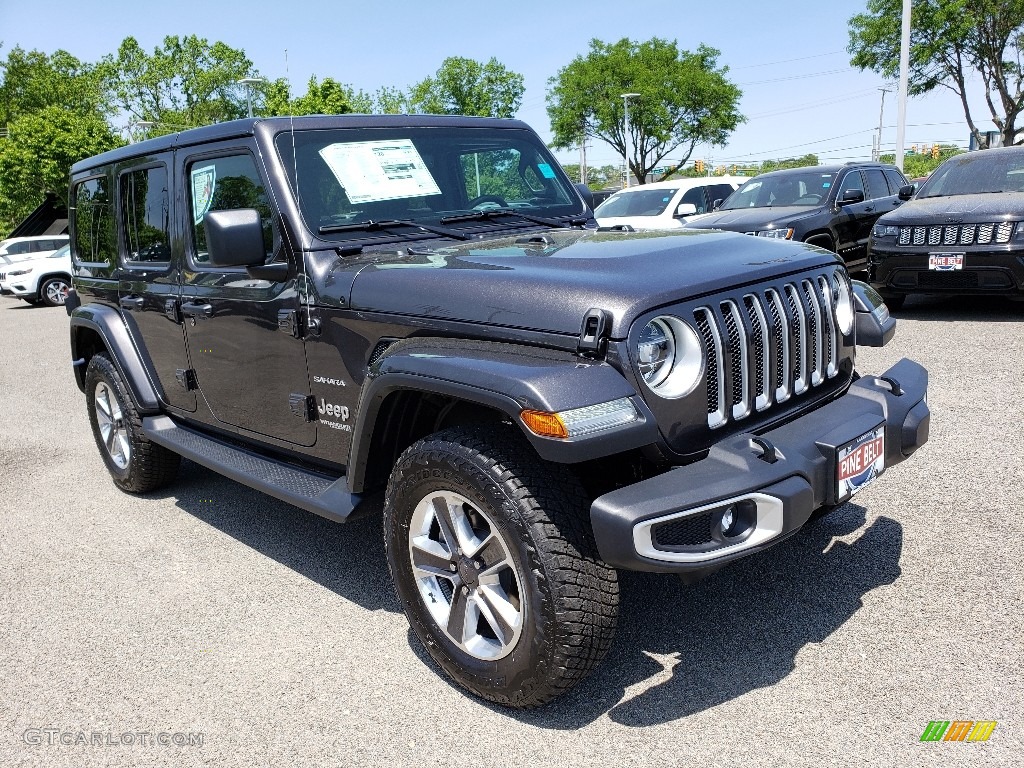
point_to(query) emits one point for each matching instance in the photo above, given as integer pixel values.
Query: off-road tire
(541, 512)
(149, 466)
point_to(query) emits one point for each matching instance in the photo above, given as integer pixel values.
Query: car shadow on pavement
(347, 559)
(682, 649)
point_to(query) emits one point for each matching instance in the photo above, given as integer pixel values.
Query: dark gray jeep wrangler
(329, 307)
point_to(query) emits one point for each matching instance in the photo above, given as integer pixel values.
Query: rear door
(150, 257)
(248, 364)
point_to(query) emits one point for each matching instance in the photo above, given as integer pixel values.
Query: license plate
(859, 462)
(945, 262)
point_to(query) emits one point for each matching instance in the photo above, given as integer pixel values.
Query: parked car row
(45, 278)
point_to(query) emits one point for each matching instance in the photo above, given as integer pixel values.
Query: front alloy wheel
(494, 562)
(467, 580)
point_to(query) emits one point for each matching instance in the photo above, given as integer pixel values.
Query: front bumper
(895, 271)
(738, 474)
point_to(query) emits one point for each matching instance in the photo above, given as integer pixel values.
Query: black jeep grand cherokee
(963, 233)
(831, 206)
(330, 307)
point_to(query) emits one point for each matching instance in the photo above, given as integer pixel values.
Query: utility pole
(583, 160)
(625, 129)
(878, 142)
(901, 120)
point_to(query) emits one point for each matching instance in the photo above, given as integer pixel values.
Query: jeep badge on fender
(326, 308)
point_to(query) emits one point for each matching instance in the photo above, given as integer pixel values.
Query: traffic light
(935, 151)
(699, 166)
(913, 149)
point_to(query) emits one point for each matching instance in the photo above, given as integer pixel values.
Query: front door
(251, 373)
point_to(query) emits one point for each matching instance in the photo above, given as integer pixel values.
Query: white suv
(664, 204)
(17, 248)
(45, 278)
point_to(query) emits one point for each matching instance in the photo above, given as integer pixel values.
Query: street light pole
(625, 130)
(248, 82)
(901, 118)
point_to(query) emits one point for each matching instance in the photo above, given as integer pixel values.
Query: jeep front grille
(768, 346)
(957, 234)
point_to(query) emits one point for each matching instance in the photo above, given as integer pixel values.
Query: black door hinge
(187, 378)
(597, 325)
(172, 309)
(303, 405)
(288, 321)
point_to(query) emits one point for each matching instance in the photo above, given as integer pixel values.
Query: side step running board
(322, 495)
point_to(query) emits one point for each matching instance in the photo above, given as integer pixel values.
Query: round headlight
(844, 306)
(669, 355)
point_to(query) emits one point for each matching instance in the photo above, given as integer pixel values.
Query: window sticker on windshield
(546, 170)
(204, 182)
(826, 184)
(379, 170)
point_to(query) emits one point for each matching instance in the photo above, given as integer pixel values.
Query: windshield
(976, 173)
(640, 202)
(809, 188)
(351, 176)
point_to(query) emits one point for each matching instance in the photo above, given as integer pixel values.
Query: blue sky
(799, 92)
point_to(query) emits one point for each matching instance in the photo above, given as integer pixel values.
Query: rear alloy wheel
(136, 464)
(54, 292)
(494, 562)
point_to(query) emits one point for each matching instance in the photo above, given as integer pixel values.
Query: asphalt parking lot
(250, 633)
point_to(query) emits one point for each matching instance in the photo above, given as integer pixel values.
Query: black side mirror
(851, 196)
(586, 194)
(717, 204)
(907, 191)
(875, 327)
(234, 238)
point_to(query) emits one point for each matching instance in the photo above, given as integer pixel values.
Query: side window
(719, 192)
(877, 186)
(695, 196)
(145, 216)
(25, 246)
(895, 179)
(95, 240)
(852, 180)
(224, 184)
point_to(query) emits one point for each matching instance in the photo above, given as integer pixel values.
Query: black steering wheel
(495, 199)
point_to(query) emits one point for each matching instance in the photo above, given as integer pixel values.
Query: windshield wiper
(494, 212)
(374, 226)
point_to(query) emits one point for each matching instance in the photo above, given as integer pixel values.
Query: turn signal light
(544, 424)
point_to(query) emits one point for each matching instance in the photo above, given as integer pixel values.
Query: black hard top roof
(250, 126)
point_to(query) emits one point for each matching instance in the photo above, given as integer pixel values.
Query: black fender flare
(108, 324)
(507, 378)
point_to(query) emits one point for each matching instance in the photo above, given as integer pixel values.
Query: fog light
(735, 521)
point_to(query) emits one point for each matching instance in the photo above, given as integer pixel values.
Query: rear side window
(226, 183)
(95, 238)
(719, 192)
(696, 197)
(877, 185)
(25, 246)
(146, 218)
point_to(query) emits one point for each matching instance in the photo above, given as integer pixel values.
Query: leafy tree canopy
(37, 155)
(185, 82)
(684, 99)
(467, 87)
(31, 81)
(951, 42)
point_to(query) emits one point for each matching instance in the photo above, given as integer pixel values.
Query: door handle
(197, 310)
(131, 303)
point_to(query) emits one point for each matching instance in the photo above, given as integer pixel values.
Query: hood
(752, 219)
(958, 209)
(548, 281)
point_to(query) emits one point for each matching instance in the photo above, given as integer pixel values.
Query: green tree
(327, 97)
(951, 41)
(37, 154)
(922, 164)
(684, 100)
(467, 87)
(31, 81)
(185, 82)
(598, 177)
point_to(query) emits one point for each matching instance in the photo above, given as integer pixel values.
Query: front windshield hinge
(597, 326)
